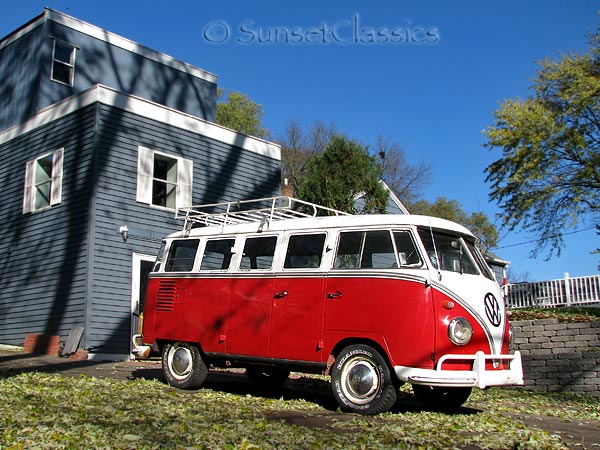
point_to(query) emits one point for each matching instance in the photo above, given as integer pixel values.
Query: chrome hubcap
(180, 362)
(360, 380)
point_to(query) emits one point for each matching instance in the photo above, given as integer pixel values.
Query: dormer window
(63, 62)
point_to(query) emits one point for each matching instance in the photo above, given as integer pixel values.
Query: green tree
(239, 112)
(298, 145)
(548, 178)
(477, 222)
(341, 172)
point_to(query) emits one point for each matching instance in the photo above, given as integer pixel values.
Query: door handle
(280, 294)
(336, 294)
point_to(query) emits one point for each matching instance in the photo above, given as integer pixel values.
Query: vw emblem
(492, 309)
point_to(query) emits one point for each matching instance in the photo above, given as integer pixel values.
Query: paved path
(573, 433)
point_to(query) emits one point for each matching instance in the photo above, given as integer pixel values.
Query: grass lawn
(52, 411)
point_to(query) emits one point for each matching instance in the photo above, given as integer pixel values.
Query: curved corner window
(182, 254)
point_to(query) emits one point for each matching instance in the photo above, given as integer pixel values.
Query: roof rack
(262, 210)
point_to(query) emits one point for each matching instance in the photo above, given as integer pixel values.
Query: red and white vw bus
(374, 301)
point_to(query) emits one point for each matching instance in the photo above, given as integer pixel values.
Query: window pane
(258, 253)
(164, 194)
(42, 195)
(165, 168)
(348, 253)
(182, 255)
(483, 266)
(63, 52)
(378, 252)
(217, 254)
(449, 253)
(62, 72)
(304, 251)
(43, 169)
(408, 255)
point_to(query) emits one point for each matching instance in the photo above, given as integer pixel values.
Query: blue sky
(434, 94)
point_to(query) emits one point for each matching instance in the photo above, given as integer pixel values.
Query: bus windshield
(448, 252)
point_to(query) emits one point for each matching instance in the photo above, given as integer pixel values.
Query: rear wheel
(361, 381)
(183, 365)
(267, 377)
(441, 398)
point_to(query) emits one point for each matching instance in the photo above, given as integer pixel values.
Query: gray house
(101, 139)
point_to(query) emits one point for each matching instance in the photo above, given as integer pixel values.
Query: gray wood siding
(43, 255)
(26, 87)
(221, 172)
(21, 77)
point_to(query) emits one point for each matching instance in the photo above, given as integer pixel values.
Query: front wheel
(361, 381)
(441, 398)
(183, 365)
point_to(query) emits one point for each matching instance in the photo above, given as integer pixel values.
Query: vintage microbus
(374, 301)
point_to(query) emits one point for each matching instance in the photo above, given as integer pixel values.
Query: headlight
(460, 331)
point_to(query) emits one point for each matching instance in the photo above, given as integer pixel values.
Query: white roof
(312, 223)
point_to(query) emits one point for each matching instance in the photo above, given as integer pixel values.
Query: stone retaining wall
(559, 356)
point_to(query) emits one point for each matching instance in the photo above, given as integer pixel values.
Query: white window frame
(69, 64)
(145, 178)
(32, 184)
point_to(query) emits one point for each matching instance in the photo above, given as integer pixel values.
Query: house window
(63, 62)
(43, 181)
(164, 180)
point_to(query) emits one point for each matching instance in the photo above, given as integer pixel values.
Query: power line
(539, 240)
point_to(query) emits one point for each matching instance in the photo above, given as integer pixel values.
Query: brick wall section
(559, 356)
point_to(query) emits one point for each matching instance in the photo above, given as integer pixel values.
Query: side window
(378, 251)
(63, 62)
(408, 256)
(164, 180)
(349, 248)
(304, 251)
(258, 253)
(365, 250)
(43, 181)
(181, 255)
(217, 254)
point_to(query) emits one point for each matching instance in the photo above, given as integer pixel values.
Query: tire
(437, 398)
(271, 378)
(183, 365)
(361, 381)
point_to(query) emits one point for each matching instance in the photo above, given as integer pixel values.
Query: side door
(378, 290)
(251, 298)
(298, 301)
(211, 293)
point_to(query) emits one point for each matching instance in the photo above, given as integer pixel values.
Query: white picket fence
(580, 291)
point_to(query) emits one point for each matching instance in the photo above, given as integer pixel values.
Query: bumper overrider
(478, 376)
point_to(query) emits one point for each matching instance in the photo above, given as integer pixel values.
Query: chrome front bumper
(478, 376)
